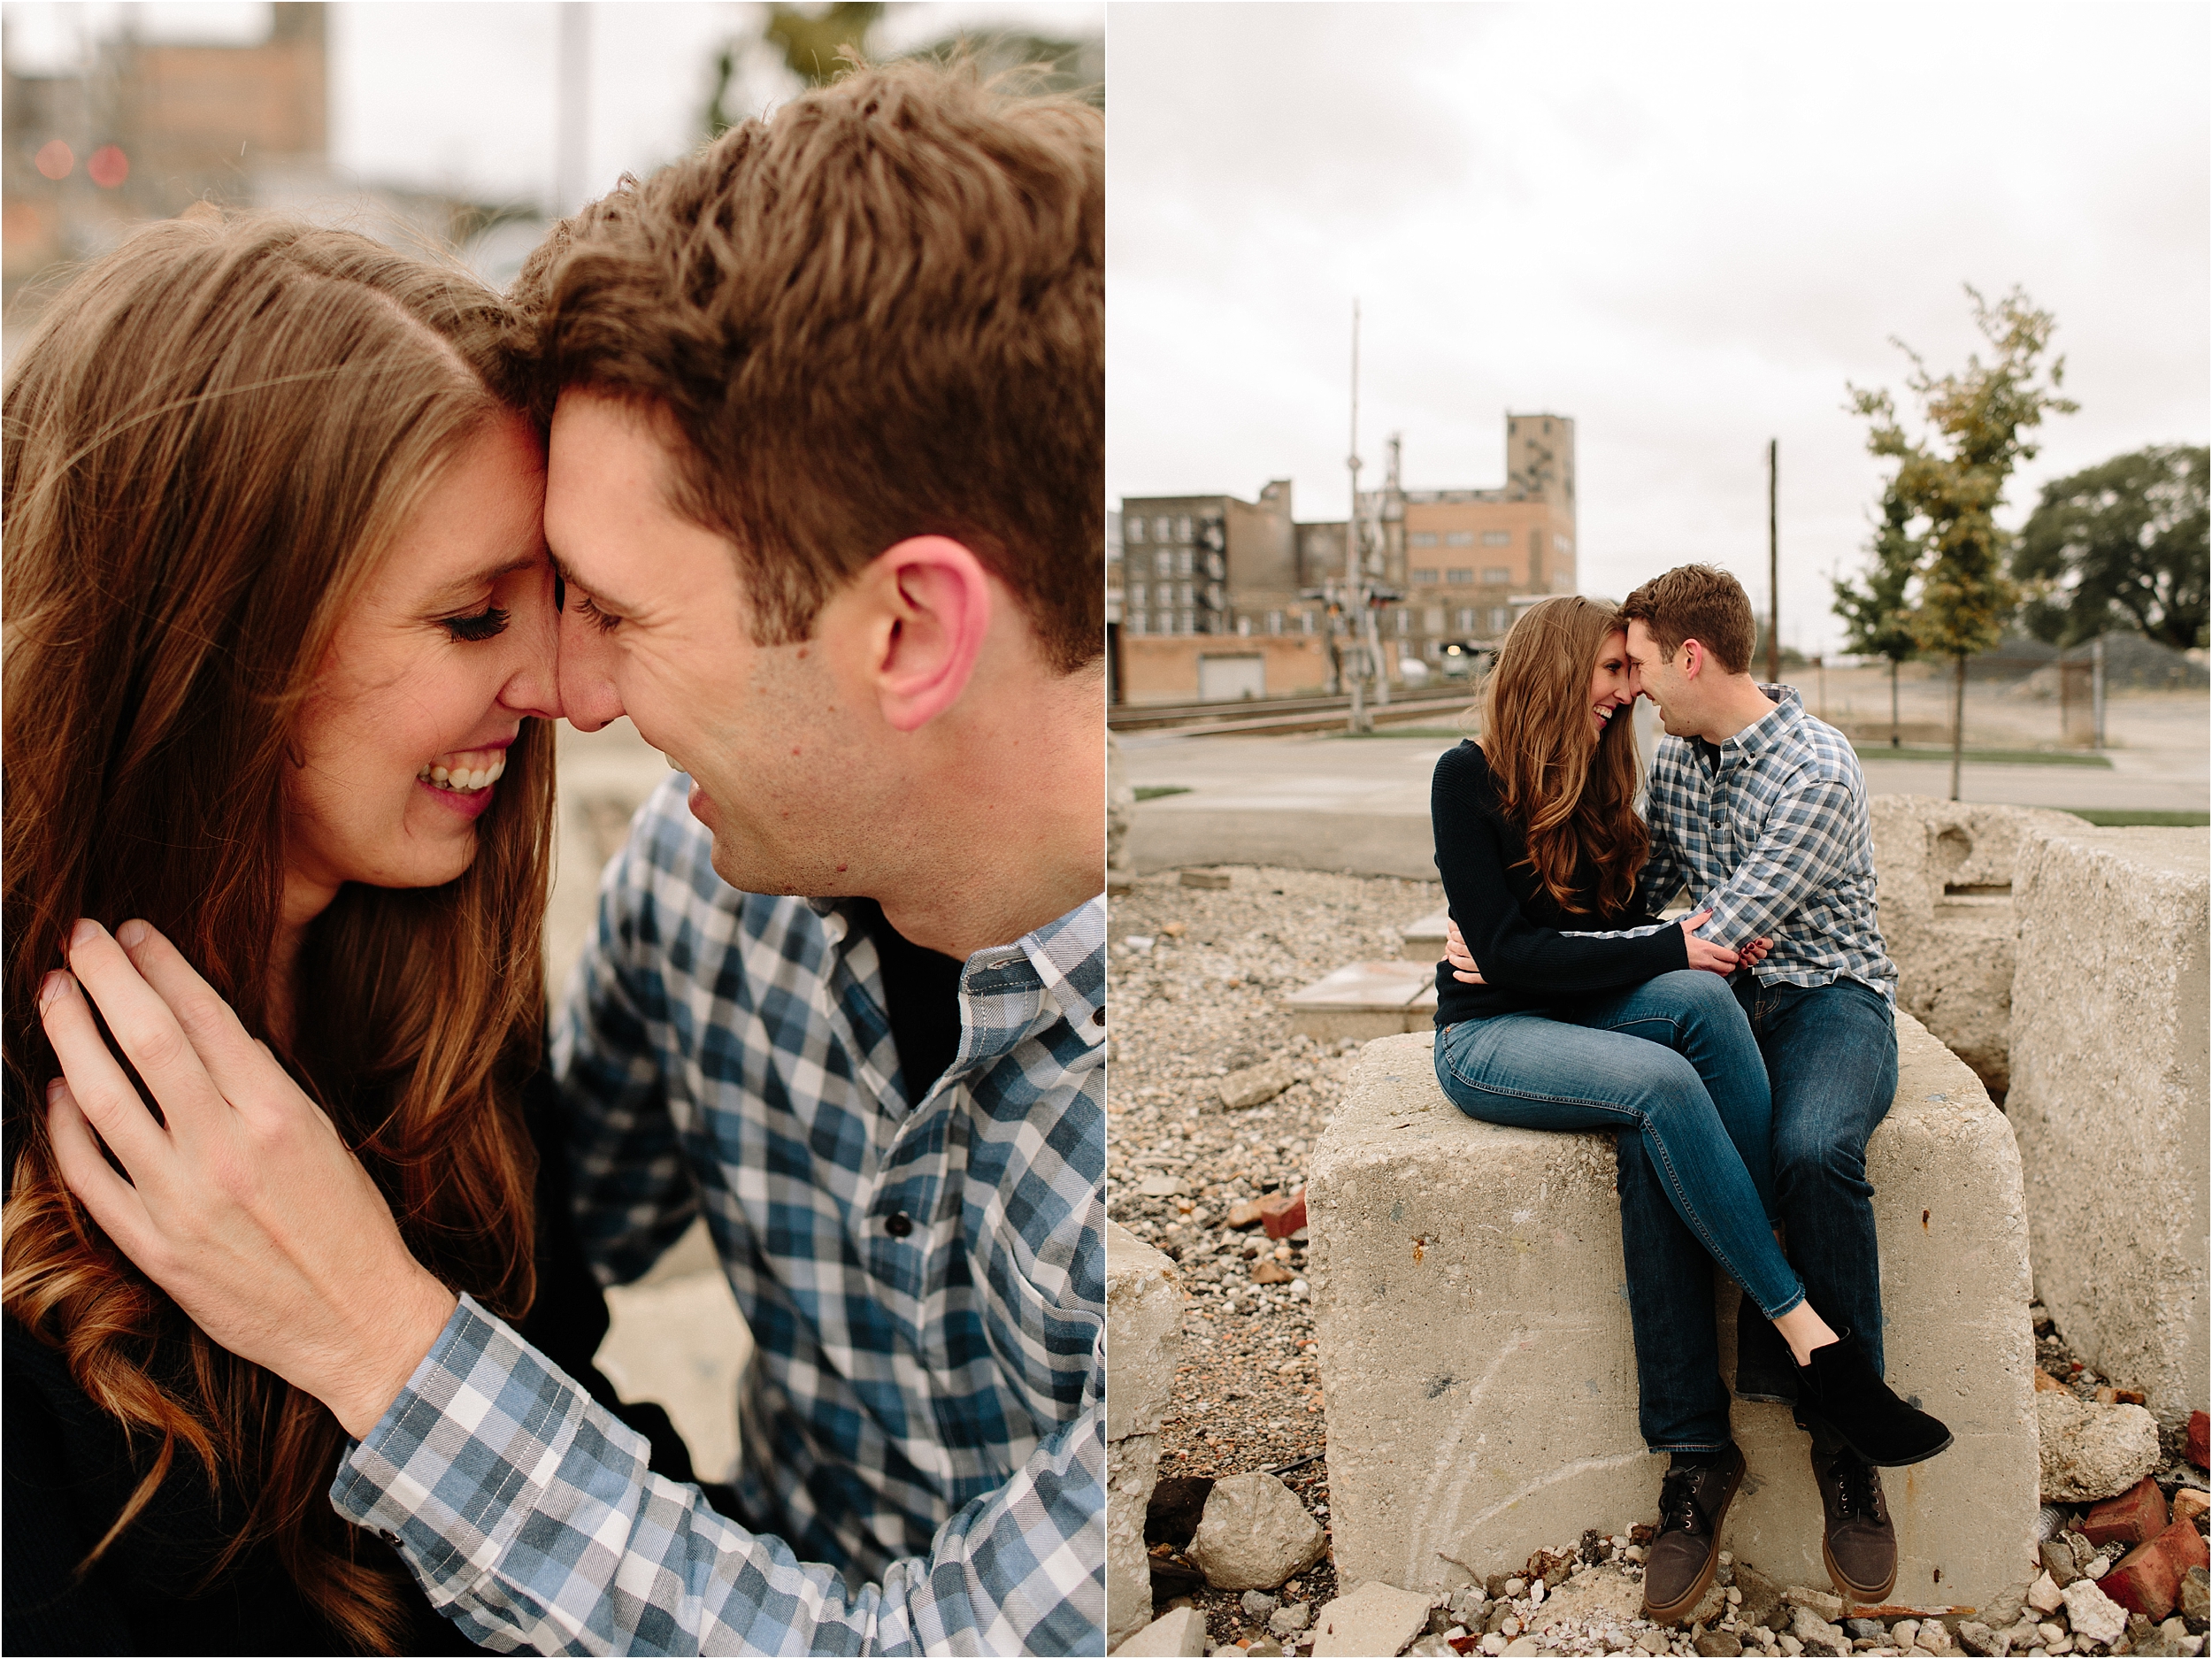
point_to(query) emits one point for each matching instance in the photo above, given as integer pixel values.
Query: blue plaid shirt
(1769, 832)
(923, 1416)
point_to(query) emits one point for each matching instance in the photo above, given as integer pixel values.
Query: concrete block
(1121, 811)
(1144, 1343)
(1424, 931)
(1362, 1000)
(1179, 1633)
(2109, 1083)
(1943, 876)
(1472, 1316)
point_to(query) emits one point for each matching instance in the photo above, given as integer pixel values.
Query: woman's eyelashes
(487, 623)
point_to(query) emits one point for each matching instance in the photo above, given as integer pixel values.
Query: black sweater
(1514, 928)
(69, 1472)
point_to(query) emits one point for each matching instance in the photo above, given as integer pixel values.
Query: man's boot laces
(1853, 1484)
(1678, 1510)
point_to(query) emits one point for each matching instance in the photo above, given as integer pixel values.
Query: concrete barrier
(1144, 1343)
(2109, 1082)
(1472, 1316)
(1943, 875)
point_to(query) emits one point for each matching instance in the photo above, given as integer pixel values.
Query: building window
(1163, 561)
(1497, 575)
(1460, 538)
(1189, 623)
(1497, 538)
(1422, 538)
(1163, 530)
(1182, 528)
(1244, 627)
(1427, 575)
(1405, 622)
(1274, 622)
(1136, 530)
(1164, 623)
(1182, 568)
(1187, 597)
(1460, 578)
(1136, 622)
(1432, 619)
(1501, 618)
(1466, 619)
(1305, 622)
(1136, 596)
(1563, 544)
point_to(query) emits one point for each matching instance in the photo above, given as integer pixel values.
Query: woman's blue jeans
(1672, 1064)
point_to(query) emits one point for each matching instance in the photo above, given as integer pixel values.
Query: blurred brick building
(1210, 594)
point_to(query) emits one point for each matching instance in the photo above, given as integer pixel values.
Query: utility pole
(1355, 578)
(572, 112)
(1774, 568)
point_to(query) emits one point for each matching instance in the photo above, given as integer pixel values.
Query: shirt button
(1098, 1017)
(898, 1224)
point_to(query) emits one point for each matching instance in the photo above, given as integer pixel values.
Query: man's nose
(588, 699)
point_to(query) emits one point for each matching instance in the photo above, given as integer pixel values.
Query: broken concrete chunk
(2092, 1613)
(1376, 1618)
(1255, 1084)
(2090, 1451)
(1179, 1633)
(1255, 1534)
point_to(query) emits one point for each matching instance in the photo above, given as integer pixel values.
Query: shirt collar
(1770, 728)
(1067, 955)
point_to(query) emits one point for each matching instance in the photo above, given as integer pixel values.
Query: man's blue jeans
(1830, 1054)
(1672, 1067)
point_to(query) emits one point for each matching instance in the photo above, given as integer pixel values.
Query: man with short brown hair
(826, 486)
(1759, 811)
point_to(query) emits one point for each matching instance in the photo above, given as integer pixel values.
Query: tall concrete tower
(1539, 465)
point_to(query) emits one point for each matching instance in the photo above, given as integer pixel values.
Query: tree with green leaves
(1878, 616)
(2120, 545)
(814, 39)
(1950, 477)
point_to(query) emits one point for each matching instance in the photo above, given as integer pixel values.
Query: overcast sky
(1685, 227)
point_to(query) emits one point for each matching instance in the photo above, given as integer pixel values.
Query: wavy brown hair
(1573, 795)
(210, 440)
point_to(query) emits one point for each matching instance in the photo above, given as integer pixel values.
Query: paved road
(1362, 804)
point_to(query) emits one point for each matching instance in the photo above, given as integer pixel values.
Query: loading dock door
(1229, 679)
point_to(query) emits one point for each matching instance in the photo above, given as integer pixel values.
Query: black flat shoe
(1841, 1388)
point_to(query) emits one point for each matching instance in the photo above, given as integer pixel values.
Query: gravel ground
(1200, 1000)
(1203, 1000)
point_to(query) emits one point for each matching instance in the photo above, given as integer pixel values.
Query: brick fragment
(1283, 1214)
(2135, 1517)
(2197, 1446)
(2147, 1578)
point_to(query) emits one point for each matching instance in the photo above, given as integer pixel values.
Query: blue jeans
(1830, 1057)
(1672, 1067)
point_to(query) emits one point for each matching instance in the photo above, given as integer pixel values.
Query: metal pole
(1355, 586)
(572, 102)
(2096, 686)
(1774, 567)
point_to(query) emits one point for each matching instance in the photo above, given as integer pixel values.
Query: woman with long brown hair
(1587, 1014)
(280, 656)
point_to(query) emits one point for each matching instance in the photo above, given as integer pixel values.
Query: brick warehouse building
(1207, 594)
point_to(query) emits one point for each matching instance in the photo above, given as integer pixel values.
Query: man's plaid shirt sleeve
(533, 1523)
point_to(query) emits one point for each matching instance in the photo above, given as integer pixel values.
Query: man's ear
(930, 604)
(1693, 658)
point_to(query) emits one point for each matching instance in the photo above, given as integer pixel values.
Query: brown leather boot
(1858, 1542)
(1678, 1567)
